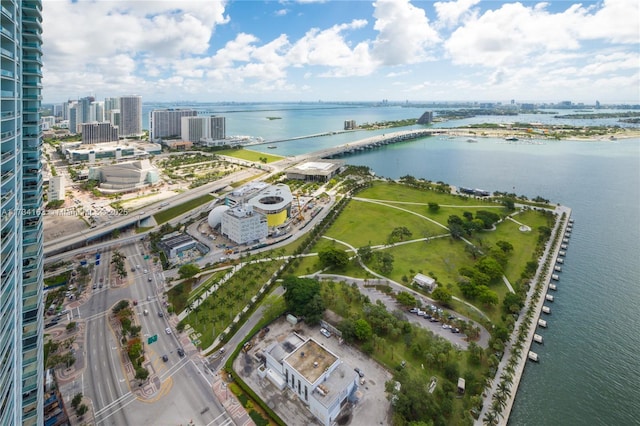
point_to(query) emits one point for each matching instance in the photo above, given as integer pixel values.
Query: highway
(63, 244)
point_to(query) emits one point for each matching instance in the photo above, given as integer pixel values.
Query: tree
(442, 295)
(82, 409)
(365, 253)
(333, 257)
(434, 207)
(77, 399)
(188, 270)
(142, 373)
(303, 297)
(406, 299)
(490, 266)
(362, 330)
(505, 246)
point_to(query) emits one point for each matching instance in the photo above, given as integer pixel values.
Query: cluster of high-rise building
(21, 304)
(102, 121)
(185, 124)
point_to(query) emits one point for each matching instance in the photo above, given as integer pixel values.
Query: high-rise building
(111, 104)
(21, 307)
(165, 123)
(99, 132)
(196, 128)
(85, 108)
(130, 116)
(96, 112)
(75, 118)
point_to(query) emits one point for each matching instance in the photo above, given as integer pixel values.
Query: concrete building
(425, 282)
(130, 117)
(317, 376)
(174, 245)
(321, 171)
(99, 132)
(21, 244)
(111, 104)
(96, 111)
(57, 188)
(123, 177)
(76, 152)
(274, 202)
(196, 128)
(178, 145)
(167, 123)
(350, 124)
(48, 122)
(242, 225)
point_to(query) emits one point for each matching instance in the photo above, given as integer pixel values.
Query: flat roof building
(167, 123)
(243, 225)
(315, 170)
(99, 132)
(174, 245)
(316, 375)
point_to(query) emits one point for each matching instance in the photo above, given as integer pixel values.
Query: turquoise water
(589, 372)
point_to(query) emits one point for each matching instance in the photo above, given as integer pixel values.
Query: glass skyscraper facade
(21, 293)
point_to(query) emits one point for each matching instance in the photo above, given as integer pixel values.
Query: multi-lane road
(178, 391)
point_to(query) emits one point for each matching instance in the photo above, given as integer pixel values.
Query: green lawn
(363, 223)
(249, 155)
(175, 211)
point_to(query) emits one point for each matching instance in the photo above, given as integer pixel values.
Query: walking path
(503, 368)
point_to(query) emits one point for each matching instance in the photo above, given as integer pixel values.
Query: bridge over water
(375, 142)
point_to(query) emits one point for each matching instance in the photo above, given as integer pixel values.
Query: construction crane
(300, 216)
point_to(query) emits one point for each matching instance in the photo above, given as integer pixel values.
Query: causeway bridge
(375, 142)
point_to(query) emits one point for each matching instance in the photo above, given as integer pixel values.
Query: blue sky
(339, 50)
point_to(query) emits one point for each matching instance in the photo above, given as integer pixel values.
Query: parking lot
(372, 407)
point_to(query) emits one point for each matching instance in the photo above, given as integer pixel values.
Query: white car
(325, 332)
(168, 330)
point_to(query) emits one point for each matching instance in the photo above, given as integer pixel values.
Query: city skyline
(343, 50)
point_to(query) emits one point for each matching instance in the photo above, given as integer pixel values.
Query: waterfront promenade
(543, 273)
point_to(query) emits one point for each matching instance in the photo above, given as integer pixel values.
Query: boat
(511, 139)
(272, 147)
(472, 140)
(533, 356)
(537, 338)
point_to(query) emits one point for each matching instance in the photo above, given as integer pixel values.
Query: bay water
(589, 373)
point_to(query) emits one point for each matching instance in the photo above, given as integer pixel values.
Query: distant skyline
(337, 50)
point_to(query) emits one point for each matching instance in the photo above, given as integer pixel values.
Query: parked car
(167, 330)
(180, 352)
(325, 332)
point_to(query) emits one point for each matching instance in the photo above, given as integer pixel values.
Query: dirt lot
(57, 226)
(373, 408)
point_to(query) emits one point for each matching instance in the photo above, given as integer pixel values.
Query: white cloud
(404, 33)
(451, 12)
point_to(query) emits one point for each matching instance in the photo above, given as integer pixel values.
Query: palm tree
(490, 418)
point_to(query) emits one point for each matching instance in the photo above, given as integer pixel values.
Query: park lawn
(440, 259)
(166, 215)
(524, 243)
(210, 280)
(249, 155)
(362, 224)
(398, 192)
